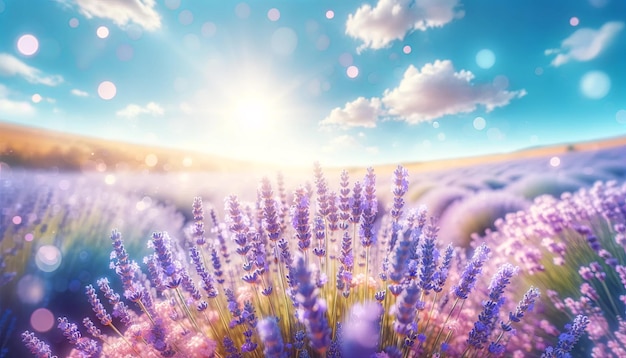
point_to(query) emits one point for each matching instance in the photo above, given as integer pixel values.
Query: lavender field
(516, 258)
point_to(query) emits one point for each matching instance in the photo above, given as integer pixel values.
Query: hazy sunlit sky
(342, 82)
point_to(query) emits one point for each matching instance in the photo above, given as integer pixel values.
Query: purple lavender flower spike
(405, 309)
(96, 306)
(269, 332)
(69, 330)
(120, 309)
(344, 200)
(369, 209)
(400, 259)
(229, 347)
(400, 187)
(525, 304)
(198, 218)
(442, 274)
(429, 257)
(36, 346)
(88, 347)
(361, 330)
(487, 319)
(312, 310)
(207, 278)
(333, 214)
(124, 268)
(321, 190)
(161, 243)
(356, 203)
(471, 272)
(300, 218)
(270, 211)
(568, 339)
(92, 329)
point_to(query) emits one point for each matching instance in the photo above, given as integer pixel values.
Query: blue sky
(342, 82)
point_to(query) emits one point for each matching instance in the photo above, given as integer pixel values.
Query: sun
(253, 112)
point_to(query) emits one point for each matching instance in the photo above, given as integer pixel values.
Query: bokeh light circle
(29, 237)
(406, 49)
(17, 220)
(345, 59)
(352, 71)
(109, 179)
(36, 98)
(555, 161)
(479, 123)
(620, 116)
(107, 90)
(284, 41)
(574, 21)
(330, 14)
(242, 10)
(485, 58)
(435, 124)
(595, 84)
(273, 14)
(151, 160)
(48, 258)
(102, 32)
(185, 17)
(30, 289)
(42, 320)
(74, 23)
(208, 29)
(27, 45)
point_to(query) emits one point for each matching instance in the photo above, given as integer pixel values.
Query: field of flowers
(516, 259)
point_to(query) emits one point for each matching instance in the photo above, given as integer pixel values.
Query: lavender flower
(269, 332)
(300, 219)
(568, 339)
(96, 305)
(405, 309)
(312, 309)
(361, 330)
(198, 218)
(369, 209)
(471, 272)
(487, 319)
(400, 187)
(36, 346)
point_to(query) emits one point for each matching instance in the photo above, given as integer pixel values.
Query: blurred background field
(61, 195)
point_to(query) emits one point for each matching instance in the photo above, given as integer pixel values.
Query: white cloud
(437, 90)
(361, 112)
(12, 66)
(585, 44)
(391, 20)
(122, 12)
(9, 107)
(134, 110)
(79, 93)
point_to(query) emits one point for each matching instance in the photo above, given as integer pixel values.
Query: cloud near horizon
(121, 12)
(361, 112)
(13, 108)
(392, 20)
(12, 66)
(79, 93)
(585, 44)
(134, 110)
(425, 94)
